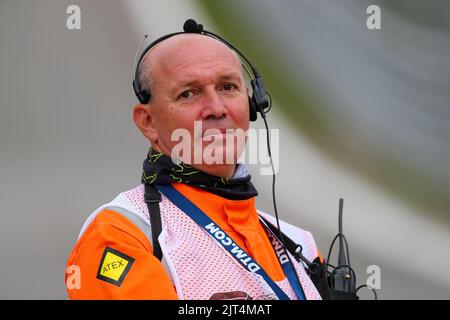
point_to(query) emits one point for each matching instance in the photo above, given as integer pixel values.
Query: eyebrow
(189, 83)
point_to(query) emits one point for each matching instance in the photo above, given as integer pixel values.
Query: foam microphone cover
(190, 26)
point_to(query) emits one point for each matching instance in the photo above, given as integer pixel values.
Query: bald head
(179, 51)
(195, 80)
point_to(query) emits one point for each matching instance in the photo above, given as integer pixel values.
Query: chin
(220, 156)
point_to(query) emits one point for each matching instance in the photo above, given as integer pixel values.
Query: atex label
(114, 266)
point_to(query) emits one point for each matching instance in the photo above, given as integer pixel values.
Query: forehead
(190, 56)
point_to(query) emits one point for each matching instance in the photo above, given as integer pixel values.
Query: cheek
(166, 116)
(171, 120)
(240, 113)
(165, 121)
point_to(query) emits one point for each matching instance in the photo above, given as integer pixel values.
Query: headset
(339, 283)
(259, 101)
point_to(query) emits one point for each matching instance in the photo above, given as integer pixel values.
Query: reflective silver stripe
(144, 226)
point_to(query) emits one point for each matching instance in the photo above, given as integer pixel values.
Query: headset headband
(258, 101)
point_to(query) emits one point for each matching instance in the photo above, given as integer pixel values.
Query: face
(197, 86)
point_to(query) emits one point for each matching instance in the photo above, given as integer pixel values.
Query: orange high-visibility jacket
(115, 258)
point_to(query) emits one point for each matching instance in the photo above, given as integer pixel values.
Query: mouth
(217, 132)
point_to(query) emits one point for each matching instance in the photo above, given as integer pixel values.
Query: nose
(213, 106)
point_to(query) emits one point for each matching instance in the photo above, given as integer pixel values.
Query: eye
(229, 87)
(188, 94)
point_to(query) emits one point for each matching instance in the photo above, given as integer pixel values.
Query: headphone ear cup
(252, 109)
(144, 97)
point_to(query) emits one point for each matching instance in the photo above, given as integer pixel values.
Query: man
(212, 243)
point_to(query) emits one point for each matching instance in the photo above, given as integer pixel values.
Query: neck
(158, 168)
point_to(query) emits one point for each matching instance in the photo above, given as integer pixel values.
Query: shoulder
(300, 236)
(122, 219)
(116, 261)
(130, 201)
(109, 226)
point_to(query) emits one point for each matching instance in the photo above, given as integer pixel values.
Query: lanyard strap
(285, 262)
(245, 260)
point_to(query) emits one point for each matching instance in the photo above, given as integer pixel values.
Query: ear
(143, 118)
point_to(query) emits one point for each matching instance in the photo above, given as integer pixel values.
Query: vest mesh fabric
(298, 235)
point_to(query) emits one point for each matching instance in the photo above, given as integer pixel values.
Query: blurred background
(363, 114)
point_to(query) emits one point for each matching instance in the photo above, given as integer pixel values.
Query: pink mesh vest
(199, 266)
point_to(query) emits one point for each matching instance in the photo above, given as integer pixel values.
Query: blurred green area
(433, 13)
(304, 109)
